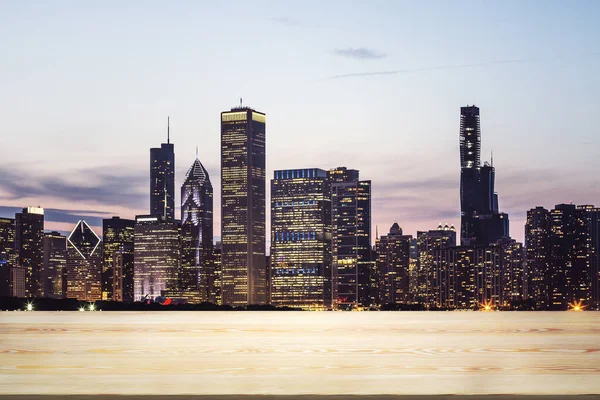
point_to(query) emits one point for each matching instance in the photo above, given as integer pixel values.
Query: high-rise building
(538, 231)
(18, 276)
(428, 243)
(481, 221)
(157, 248)
(215, 296)
(393, 263)
(117, 239)
(55, 265)
(29, 231)
(514, 282)
(197, 273)
(300, 273)
(162, 180)
(84, 263)
(351, 239)
(243, 206)
(7, 254)
(591, 217)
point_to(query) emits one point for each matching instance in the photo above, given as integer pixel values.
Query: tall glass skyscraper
(243, 206)
(7, 254)
(393, 261)
(156, 256)
(351, 239)
(197, 275)
(300, 273)
(55, 265)
(84, 264)
(29, 232)
(117, 239)
(162, 180)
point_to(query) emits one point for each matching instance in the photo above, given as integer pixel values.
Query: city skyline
(91, 108)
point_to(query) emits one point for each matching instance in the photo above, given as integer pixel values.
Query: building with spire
(162, 179)
(243, 197)
(197, 274)
(84, 264)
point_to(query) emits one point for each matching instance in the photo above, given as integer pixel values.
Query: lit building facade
(300, 274)
(393, 263)
(7, 254)
(117, 239)
(197, 272)
(215, 296)
(156, 256)
(55, 265)
(162, 180)
(243, 193)
(351, 239)
(538, 231)
(514, 281)
(29, 232)
(84, 264)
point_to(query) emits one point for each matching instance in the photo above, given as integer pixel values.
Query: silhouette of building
(514, 282)
(351, 239)
(243, 206)
(428, 243)
(55, 265)
(157, 248)
(29, 231)
(481, 221)
(300, 273)
(538, 242)
(197, 273)
(7, 254)
(393, 263)
(84, 263)
(591, 218)
(117, 238)
(162, 180)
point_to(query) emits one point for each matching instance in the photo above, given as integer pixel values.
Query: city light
(29, 307)
(91, 307)
(487, 306)
(82, 308)
(576, 306)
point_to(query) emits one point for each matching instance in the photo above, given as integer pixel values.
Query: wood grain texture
(299, 353)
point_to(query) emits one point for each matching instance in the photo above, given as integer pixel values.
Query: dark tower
(29, 232)
(162, 180)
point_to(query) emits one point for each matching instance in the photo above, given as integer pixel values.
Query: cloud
(287, 21)
(360, 53)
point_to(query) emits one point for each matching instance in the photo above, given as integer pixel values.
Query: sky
(86, 88)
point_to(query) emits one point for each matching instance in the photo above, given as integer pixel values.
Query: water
(300, 352)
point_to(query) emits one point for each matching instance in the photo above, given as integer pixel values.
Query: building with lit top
(393, 265)
(300, 274)
(243, 193)
(351, 239)
(29, 231)
(156, 256)
(84, 264)
(162, 180)
(117, 240)
(55, 265)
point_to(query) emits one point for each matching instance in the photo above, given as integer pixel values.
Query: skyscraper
(156, 256)
(243, 206)
(351, 239)
(162, 180)
(84, 264)
(300, 274)
(393, 262)
(29, 231)
(591, 217)
(117, 239)
(197, 275)
(55, 265)
(538, 230)
(481, 221)
(7, 254)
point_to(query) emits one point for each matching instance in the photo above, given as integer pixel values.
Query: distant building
(18, 277)
(351, 239)
(197, 272)
(162, 180)
(55, 265)
(84, 264)
(538, 244)
(428, 243)
(29, 231)
(514, 281)
(215, 296)
(243, 207)
(300, 273)
(156, 256)
(7, 254)
(393, 263)
(117, 238)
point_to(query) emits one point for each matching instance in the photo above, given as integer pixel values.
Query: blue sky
(86, 89)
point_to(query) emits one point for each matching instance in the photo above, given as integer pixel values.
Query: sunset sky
(86, 88)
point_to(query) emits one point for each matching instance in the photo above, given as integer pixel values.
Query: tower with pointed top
(84, 264)
(197, 275)
(162, 179)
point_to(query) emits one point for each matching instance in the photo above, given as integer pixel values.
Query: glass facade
(29, 232)
(84, 264)
(156, 256)
(55, 265)
(117, 238)
(162, 181)
(300, 274)
(393, 263)
(7, 254)
(243, 225)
